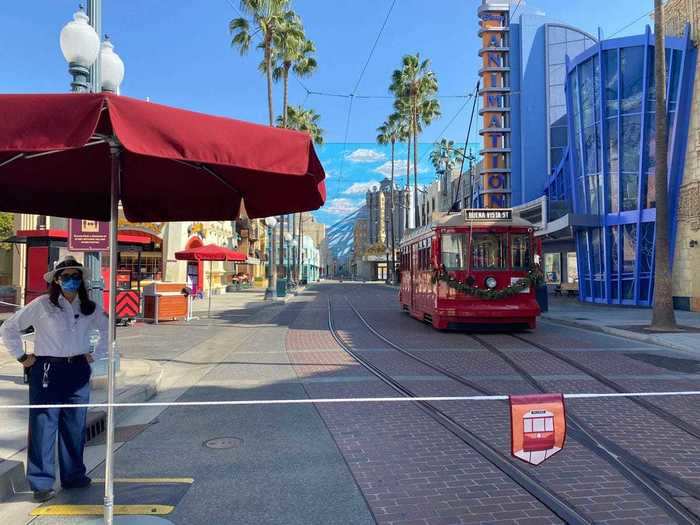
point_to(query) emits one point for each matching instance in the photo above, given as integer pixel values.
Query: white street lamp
(80, 45)
(270, 292)
(111, 67)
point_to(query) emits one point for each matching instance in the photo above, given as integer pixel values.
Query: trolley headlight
(490, 282)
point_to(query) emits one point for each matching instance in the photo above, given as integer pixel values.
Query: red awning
(210, 252)
(177, 165)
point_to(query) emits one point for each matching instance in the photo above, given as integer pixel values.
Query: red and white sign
(537, 426)
(88, 236)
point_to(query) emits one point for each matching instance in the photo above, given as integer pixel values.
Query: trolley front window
(520, 250)
(488, 251)
(453, 249)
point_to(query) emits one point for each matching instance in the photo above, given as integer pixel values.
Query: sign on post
(88, 236)
(488, 214)
(537, 426)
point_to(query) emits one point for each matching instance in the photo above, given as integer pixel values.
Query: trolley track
(646, 477)
(672, 419)
(550, 499)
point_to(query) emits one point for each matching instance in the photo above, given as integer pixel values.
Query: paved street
(624, 461)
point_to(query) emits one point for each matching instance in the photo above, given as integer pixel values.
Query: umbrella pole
(210, 288)
(114, 216)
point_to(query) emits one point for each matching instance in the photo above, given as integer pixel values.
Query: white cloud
(361, 187)
(399, 169)
(341, 206)
(365, 155)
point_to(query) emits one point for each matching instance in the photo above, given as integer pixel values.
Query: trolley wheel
(439, 324)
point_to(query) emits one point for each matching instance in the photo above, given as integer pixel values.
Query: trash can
(541, 293)
(282, 287)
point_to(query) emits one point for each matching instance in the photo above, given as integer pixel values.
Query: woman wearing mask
(66, 325)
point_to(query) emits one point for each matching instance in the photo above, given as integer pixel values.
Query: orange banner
(537, 426)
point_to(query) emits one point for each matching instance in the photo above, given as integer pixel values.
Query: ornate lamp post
(270, 292)
(288, 242)
(92, 67)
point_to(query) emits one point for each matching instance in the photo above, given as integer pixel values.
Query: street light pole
(270, 292)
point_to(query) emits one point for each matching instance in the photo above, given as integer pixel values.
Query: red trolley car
(474, 267)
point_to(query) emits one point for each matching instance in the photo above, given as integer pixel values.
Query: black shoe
(43, 495)
(79, 484)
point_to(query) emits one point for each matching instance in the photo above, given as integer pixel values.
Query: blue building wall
(608, 174)
(531, 96)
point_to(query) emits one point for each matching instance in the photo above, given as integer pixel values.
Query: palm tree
(265, 18)
(444, 156)
(663, 316)
(302, 119)
(388, 133)
(418, 84)
(291, 51)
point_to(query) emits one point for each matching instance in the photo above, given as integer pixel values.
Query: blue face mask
(70, 284)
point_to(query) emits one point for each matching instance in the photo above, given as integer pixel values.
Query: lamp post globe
(80, 45)
(270, 222)
(111, 67)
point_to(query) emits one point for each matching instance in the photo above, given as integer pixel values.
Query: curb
(644, 338)
(12, 478)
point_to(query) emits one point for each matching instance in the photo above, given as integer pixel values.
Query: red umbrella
(78, 155)
(176, 165)
(210, 252)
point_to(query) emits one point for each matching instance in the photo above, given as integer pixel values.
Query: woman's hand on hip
(89, 358)
(31, 359)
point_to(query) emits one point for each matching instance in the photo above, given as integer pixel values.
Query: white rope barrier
(308, 401)
(10, 304)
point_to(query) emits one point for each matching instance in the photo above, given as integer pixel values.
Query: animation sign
(88, 236)
(537, 426)
(495, 50)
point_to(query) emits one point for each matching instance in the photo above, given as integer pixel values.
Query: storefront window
(520, 250)
(632, 67)
(453, 250)
(571, 267)
(488, 251)
(552, 268)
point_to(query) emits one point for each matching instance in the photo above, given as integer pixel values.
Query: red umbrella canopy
(210, 252)
(176, 165)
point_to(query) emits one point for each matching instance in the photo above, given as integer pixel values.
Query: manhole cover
(223, 442)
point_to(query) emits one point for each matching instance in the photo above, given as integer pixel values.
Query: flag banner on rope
(537, 426)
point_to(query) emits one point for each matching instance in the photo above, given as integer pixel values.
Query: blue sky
(178, 52)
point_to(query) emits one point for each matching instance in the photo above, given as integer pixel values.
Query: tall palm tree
(292, 51)
(416, 83)
(388, 133)
(663, 316)
(307, 120)
(263, 18)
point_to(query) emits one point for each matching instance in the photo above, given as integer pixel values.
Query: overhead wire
(357, 84)
(631, 23)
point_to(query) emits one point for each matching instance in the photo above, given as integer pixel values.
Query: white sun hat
(65, 263)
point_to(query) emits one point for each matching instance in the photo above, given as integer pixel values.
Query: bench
(571, 289)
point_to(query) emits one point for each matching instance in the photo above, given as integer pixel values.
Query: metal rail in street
(550, 499)
(670, 418)
(631, 467)
(639, 472)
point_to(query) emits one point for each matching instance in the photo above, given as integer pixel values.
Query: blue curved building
(605, 183)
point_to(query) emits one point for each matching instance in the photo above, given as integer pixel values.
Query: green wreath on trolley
(534, 278)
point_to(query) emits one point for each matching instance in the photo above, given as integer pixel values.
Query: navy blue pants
(67, 383)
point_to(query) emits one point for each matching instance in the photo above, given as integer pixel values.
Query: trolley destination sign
(488, 214)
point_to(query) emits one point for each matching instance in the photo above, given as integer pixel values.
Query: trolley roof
(452, 220)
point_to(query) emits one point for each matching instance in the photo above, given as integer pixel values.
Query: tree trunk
(415, 159)
(393, 241)
(408, 177)
(285, 102)
(268, 71)
(663, 317)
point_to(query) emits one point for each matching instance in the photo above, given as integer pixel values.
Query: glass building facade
(606, 178)
(560, 41)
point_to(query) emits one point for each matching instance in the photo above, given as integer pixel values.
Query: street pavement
(390, 463)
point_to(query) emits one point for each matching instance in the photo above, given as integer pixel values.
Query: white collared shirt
(59, 332)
